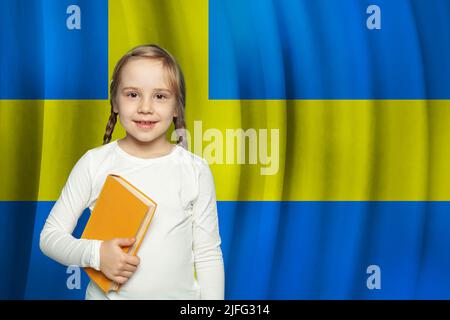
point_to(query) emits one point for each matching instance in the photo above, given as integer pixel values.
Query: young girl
(180, 256)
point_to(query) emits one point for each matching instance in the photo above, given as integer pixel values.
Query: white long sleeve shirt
(183, 237)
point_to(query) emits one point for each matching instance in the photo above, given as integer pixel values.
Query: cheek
(166, 112)
(125, 107)
(126, 113)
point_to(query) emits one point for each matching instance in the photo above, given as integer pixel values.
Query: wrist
(96, 254)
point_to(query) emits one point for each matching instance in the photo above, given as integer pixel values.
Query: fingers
(125, 274)
(133, 260)
(125, 242)
(120, 279)
(129, 267)
(126, 269)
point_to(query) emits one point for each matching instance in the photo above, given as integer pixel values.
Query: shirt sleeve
(206, 239)
(56, 240)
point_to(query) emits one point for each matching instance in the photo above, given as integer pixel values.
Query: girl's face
(145, 104)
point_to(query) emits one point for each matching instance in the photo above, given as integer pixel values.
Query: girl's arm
(206, 239)
(56, 240)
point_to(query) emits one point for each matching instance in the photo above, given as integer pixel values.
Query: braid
(110, 127)
(180, 129)
(179, 121)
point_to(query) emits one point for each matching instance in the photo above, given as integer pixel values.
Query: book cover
(121, 211)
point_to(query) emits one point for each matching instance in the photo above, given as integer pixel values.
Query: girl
(180, 257)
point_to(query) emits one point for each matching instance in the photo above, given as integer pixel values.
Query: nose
(146, 106)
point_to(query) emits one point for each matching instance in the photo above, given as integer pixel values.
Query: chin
(146, 138)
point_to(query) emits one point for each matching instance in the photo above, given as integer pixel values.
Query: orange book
(121, 211)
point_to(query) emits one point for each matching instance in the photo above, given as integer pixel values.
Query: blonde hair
(176, 82)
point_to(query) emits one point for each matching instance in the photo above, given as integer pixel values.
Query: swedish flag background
(364, 135)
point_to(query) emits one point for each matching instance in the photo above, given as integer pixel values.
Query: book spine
(139, 241)
(131, 185)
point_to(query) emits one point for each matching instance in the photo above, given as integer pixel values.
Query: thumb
(125, 242)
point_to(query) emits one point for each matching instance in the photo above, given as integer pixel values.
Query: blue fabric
(322, 49)
(275, 250)
(42, 59)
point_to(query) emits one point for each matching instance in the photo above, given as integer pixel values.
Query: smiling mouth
(145, 124)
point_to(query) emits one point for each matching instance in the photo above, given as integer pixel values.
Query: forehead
(144, 73)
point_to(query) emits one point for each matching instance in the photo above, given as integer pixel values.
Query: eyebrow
(156, 89)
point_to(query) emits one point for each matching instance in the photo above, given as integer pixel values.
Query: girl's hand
(115, 264)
